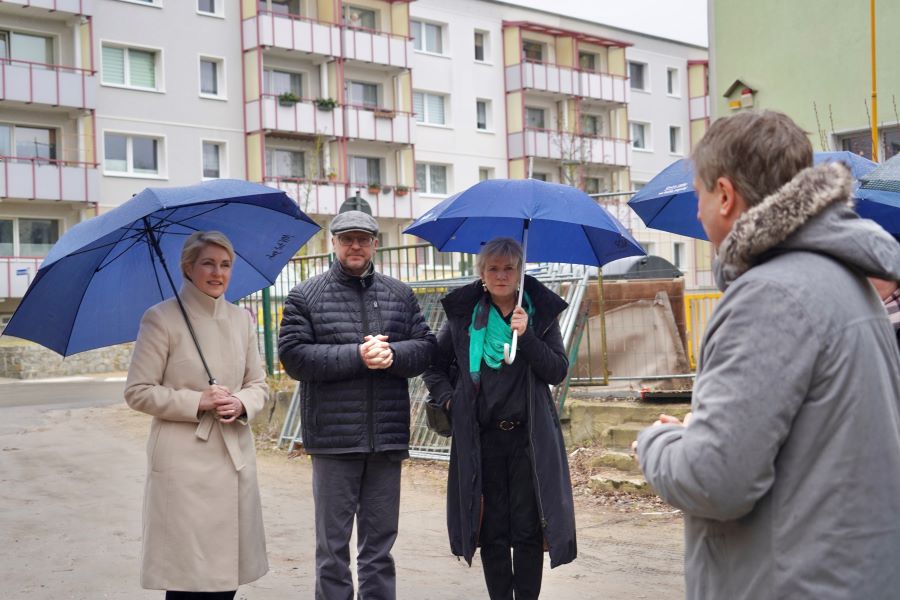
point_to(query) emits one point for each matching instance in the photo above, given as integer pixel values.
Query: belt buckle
(507, 425)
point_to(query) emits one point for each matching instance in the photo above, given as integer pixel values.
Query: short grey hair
(505, 247)
(199, 240)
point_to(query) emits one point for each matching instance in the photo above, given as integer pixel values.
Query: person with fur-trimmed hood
(788, 470)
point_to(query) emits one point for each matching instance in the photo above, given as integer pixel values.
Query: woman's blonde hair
(505, 247)
(197, 241)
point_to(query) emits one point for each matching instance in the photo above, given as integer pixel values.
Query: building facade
(385, 105)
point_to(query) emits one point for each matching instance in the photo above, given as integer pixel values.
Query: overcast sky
(682, 20)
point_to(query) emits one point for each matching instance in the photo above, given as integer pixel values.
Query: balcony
(378, 47)
(302, 117)
(46, 179)
(60, 9)
(325, 198)
(379, 124)
(556, 79)
(698, 108)
(16, 273)
(53, 85)
(292, 32)
(569, 147)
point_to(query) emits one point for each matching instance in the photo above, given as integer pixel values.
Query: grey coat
(789, 472)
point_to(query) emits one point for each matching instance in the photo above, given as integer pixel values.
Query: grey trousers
(369, 489)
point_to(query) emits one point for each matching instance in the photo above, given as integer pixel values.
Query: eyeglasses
(364, 241)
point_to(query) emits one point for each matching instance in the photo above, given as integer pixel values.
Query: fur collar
(780, 214)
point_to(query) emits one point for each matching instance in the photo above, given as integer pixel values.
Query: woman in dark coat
(508, 488)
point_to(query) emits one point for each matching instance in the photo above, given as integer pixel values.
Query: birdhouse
(740, 95)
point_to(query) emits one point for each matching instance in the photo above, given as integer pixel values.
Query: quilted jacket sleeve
(306, 360)
(413, 355)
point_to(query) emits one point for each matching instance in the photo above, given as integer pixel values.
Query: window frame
(17, 237)
(221, 82)
(673, 85)
(158, 63)
(537, 44)
(645, 77)
(274, 149)
(485, 46)
(428, 190)
(150, 4)
(594, 57)
(218, 13)
(648, 139)
(425, 114)
(424, 37)
(488, 117)
(223, 159)
(488, 171)
(380, 161)
(348, 86)
(679, 149)
(161, 147)
(543, 125)
(679, 255)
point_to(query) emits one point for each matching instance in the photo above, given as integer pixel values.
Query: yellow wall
(565, 52)
(400, 18)
(407, 168)
(334, 91)
(87, 128)
(248, 9)
(698, 128)
(514, 117)
(621, 119)
(252, 83)
(696, 81)
(571, 123)
(84, 39)
(617, 63)
(335, 162)
(512, 50)
(404, 98)
(517, 168)
(324, 11)
(254, 149)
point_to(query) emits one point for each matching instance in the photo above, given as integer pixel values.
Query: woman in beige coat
(202, 521)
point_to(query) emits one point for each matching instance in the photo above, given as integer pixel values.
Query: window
(588, 61)
(284, 164)
(637, 73)
(210, 7)
(427, 37)
(594, 185)
(282, 82)
(539, 176)
(639, 136)
(485, 173)
(27, 142)
(355, 16)
(129, 67)
(533, 51)
(534, 117)
(37, 236)
(362, 94)
(23, 46)
(6, 237)
(675, 140)
(281, 7)
(213, 155)
(591, 125)
(480, 45)
(429, 108)
(649, 247)
(482, 114)
(365, 170)
(678, 254)
(211, 77)
(431, 179)
(131, 154)
(673, 87)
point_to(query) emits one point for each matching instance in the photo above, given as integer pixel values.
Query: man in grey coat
(788, 470)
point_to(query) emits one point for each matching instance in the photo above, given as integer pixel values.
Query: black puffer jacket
(346, 407)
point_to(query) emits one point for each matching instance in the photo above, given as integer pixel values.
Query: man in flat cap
(353, 337)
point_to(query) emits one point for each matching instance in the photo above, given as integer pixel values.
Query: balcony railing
(557, 79)
(699, 108)
(569, 147)
(317, 197)
(40, 83)
(48, 179)
(292, 32)
(74, 7)
(379, 124)
(16, 273)
(300, 117)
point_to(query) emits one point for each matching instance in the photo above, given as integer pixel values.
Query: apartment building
(388, 106)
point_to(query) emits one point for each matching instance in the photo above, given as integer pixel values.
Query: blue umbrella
(879, 196)
(100, 277)
(555, 223)
(669, 201)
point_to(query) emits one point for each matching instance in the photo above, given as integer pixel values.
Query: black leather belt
(508, 425)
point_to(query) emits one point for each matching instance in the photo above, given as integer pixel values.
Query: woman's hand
(229, 408)
(519, 320)
(210, 395)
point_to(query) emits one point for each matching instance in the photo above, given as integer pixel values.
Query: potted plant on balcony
(326, 104)
(331, 175)
(374, 187)
(288, 99)
(386, 189)
(401, 190)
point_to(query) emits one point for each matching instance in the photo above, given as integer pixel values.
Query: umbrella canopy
(563, 223)
(879, 196)
(100, 277)
(669, 201)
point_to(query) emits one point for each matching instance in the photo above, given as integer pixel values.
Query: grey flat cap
(354, 220)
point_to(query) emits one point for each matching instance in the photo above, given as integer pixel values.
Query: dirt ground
(71, 484)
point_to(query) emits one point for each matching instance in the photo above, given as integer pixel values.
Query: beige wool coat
(202, 518)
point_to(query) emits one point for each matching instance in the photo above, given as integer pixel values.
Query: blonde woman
(202, 522)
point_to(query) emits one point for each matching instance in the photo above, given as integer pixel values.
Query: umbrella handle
(509, 355)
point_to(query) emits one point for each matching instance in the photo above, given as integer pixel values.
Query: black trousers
(511, 518)
(170, 595)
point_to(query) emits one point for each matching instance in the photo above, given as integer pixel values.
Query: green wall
(796, 52)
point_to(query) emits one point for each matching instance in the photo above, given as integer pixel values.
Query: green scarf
(488, 332)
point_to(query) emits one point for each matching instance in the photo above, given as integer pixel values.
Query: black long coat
(543, 349)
